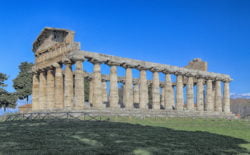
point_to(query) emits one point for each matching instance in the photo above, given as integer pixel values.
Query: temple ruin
(57, 86)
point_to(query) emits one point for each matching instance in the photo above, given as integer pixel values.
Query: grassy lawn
(123, 135)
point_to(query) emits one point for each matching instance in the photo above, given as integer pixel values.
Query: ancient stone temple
(59, 79)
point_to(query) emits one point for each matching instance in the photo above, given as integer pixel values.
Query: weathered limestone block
(68, 84)
(128, 89)
(79, 86)
(114, 97)
(143, 90)
(190, 94)
(200, 95)
(59, 97)
(226, 98)
(156, 91)
(42, 91)
(50, 89)
(169, 92)
(179, 93)
(35, 92)
(218, 97)
(97, 87)
(209, 96)
(136, 92)
(104, 92)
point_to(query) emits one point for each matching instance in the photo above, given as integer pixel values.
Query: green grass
(124, 135)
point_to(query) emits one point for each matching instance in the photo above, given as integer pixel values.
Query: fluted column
(59, 92)
(35, 92)
(42, 91)
(163, 97)
(50, 89)
(213, 95)
(200, 95)
(128, 89)
(156, 91)
(136, 93)
(114, 97)
(169, 92)
(209, 96)
(104, 92)
(68, 85)
(97, 86)
(190, 93)
(226, 98)
(79, 85)
(218, 97)
(143, 90)
(179, 93)
(91, 85)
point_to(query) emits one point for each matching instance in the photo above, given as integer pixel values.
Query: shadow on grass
(86, 137)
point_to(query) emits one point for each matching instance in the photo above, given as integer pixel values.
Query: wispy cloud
(243, 95)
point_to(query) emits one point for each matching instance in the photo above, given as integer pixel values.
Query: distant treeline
(241, 106)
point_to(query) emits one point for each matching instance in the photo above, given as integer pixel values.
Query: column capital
(141, 68)
(77, 55)
(226, 80)
(154, 69)
(111, 63)
(66, 60)
(56, 65)
(189, 74)
(95, 61)
(125, 65)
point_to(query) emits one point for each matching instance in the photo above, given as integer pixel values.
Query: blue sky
(169, 32)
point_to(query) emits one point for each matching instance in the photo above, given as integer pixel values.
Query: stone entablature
(56, 86)
(103, 58)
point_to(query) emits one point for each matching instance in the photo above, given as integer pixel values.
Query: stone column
(128, 89)
(114, 97)
(218, 97)
(143, 90)
(59, 92)
(50, 89)
(169, 93)
(136, 92)
(200, 95)
(91, 91)
(35, 92)
(226, 98)
(79, 85)
(190, 93)
(209, 96)
(163, 96)
(179, 93)
(213, 95)
(68, 85)
(42, 91)
(104, 92)
(97, 86)
(156, 91)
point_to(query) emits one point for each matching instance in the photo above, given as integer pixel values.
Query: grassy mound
(126, 135)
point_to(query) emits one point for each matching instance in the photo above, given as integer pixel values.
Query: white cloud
(242, 95)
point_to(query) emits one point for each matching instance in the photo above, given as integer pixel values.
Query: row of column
(53, 90)
(138, 93)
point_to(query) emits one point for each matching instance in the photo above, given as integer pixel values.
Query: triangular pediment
(49, 37)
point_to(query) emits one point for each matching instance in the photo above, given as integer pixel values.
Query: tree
(23, 81)
(7, 99)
